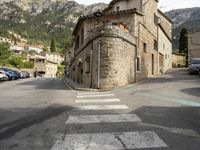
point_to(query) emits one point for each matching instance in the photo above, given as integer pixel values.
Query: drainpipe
(91, 63)
(98, 64)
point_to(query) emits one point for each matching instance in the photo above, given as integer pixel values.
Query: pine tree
(53, 46)
(183, 41)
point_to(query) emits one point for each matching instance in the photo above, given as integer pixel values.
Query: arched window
(87, 64)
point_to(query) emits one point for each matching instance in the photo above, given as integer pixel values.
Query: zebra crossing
(105, 141)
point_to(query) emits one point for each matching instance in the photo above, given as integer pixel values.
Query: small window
(138, 64)
(155, 19)
(77, 43)
(87, 64)
(165, 56)
(144, 47)
(155, 45)
(82, 35)
(117, 8)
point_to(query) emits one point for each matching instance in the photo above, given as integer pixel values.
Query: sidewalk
(79, 87)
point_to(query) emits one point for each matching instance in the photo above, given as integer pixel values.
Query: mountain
(41, 20)
(184, 18)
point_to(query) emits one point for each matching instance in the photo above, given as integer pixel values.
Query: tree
(53, 46)
(45, 49)
(5, 53)
(183, 41)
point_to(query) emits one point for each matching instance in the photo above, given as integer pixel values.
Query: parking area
(7, 74)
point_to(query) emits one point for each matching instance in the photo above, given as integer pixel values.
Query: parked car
(13, 73)
(25, 74)
(3, 76)
(194, 65)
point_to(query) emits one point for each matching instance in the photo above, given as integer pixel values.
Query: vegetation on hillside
(8, 59)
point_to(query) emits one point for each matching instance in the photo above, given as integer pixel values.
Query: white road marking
(108, 100)
(110, 141)
(102, 118)
(95, 95)
(101, 107)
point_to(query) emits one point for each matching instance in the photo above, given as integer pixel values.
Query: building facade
(46, 64)
(194, 45)
(128, 41)
(53, 57)
(5, 40)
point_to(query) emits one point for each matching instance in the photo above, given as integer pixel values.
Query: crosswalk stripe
(95, 95)
(101, 107)
(110, 141)
(102, 118)
(98, 100)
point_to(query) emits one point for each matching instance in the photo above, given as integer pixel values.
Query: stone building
(5, 40)
(54, 57)
(193, 45)
(128, 41)
(46, 63)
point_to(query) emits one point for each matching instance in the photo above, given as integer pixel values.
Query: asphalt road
(161, 113)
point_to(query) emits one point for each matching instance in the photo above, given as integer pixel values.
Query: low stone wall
(178, 60)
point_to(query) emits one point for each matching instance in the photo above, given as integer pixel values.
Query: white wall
(165, 48)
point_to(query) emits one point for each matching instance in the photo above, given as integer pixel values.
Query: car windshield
(196, 61)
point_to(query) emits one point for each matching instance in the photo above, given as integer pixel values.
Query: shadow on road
(7, 130)
(174, 75)
(176, 117)
(46, 83)
(192, 91)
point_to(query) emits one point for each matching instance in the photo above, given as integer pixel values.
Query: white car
(3, 76)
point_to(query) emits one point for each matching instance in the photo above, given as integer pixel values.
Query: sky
(164, 5)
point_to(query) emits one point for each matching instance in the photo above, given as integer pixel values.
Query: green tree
(5, 53)
(45, 49)
(16, 61)
(183, 41)
(53, 45)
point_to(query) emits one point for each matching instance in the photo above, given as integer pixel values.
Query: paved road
(159, 114)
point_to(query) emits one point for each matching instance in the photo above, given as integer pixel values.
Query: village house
(193, 45)
(46, 63)
(128, 41)
(18, 48)
(5, 40)
(54, 57)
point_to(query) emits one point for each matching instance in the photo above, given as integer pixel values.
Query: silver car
(194, 66)
(3, 76)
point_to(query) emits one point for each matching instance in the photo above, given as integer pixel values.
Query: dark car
(194, 66)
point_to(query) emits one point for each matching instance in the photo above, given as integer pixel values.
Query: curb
(69, 85)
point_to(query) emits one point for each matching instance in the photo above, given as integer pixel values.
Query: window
(87, 64)
(138, 64)
(82, 35)
(155, 45)
(144, 47)
(77, 43)
(164, 46)
(117, 8)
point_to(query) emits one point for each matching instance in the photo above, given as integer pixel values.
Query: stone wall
(117, 58)
(194, 45)
(178, 60)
